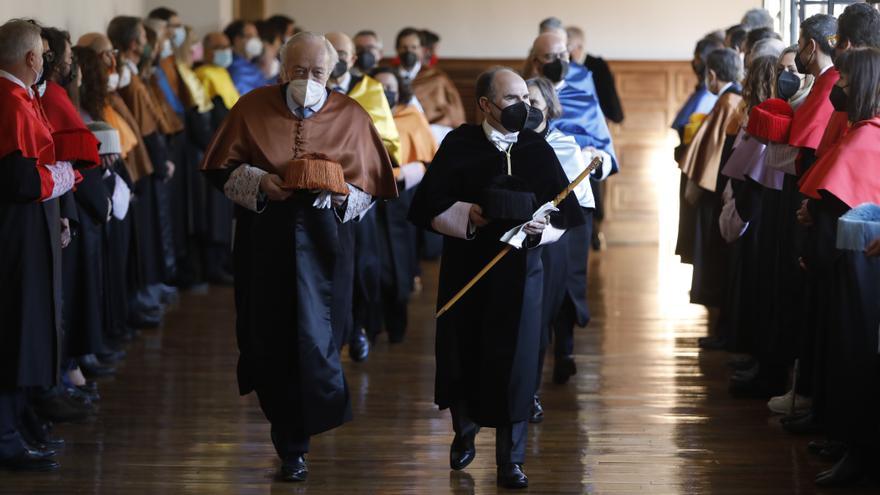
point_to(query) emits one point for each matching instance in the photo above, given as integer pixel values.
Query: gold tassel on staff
(597, 161)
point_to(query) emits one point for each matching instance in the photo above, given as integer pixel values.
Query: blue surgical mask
(179, 36)
(223, 58)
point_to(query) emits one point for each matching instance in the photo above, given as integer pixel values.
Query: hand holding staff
(597, 161)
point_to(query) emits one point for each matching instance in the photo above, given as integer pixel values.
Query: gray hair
(548, 92)
(550, 24)
(17, 38)
(305, 36)
(757, 18)
(768, 47)
(789, 49)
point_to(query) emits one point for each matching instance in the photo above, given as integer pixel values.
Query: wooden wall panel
(651, 94)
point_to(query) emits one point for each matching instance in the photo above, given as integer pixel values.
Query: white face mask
(223, 58)
(179, 36)
(274, 69)
(113, 81)
(167, 49)
(306, 92)
(253, 48)
(125, 77)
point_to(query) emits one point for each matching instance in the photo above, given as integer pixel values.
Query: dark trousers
(510, 440)
(289, 442)
(10, 440)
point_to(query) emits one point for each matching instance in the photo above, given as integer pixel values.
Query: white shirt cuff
(455, 221)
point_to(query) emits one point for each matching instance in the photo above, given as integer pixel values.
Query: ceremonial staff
(597, 161)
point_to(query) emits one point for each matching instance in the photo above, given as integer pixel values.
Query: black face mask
(555, 70)
(787, 85)
(365, 61)
(339, 69)
(535, 118)
(839, 99)
(391, 96)
(514, 117)
(801, 66)
(408, 59)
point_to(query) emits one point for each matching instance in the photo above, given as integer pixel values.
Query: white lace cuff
(243, 187)
(63, 179)
(357, 204)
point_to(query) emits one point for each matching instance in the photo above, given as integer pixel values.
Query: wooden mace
(597, 161)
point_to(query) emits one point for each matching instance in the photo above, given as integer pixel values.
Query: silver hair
(757, 18)
(550, 24)
(17, 38)
(332, 56)
(767, 47)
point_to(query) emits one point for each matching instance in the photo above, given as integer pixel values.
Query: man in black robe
(30, 254)
(486, 344)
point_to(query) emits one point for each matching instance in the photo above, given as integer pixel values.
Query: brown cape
(140, 102)
(261, 131)
(702, 159)
(137, 163)
(438, 97)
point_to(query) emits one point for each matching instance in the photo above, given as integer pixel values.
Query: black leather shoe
(512, 476)
(27, 461)
(742, 364)
(563, 369)
(537, 411)
(847, 471)
(37, 432)
(40, 451)
(293, 470)
(109, 357)
(462, 452)
(817, 447)
(141, 321)
(59, 408)
(757, 387)
(92, 368)
(359, 346)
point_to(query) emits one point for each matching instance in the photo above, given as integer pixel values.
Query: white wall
(83, 16)
(77, 16)
(616, 29)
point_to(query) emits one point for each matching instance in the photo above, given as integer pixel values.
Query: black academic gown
(85, 305)
(285, 258)
(486, 344)
(30, 278)
(117, 253)
(606, 90)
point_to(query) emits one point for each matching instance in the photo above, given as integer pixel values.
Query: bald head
(308, 56)
(547, 48)
(100, 44)
(344, 49)
(497, 89)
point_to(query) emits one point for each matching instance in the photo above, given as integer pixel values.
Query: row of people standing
(777, 184)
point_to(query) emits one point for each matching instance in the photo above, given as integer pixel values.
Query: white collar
(501, 141)
(7, 75)
(559, 85)
(725, 88)
(344, 82)
(829, 66)
(293, 106)
(132, 67)
(412, 73)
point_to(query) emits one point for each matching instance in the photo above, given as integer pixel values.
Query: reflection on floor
(646, 413)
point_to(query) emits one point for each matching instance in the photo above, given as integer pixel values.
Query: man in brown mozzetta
(288, 242)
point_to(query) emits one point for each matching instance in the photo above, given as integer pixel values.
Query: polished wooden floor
(646, 413)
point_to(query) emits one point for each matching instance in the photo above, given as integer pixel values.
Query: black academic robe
(117, 254)
(486, 344)
(30, 278)
(84, 308)
(606, 90)
(709, 278)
